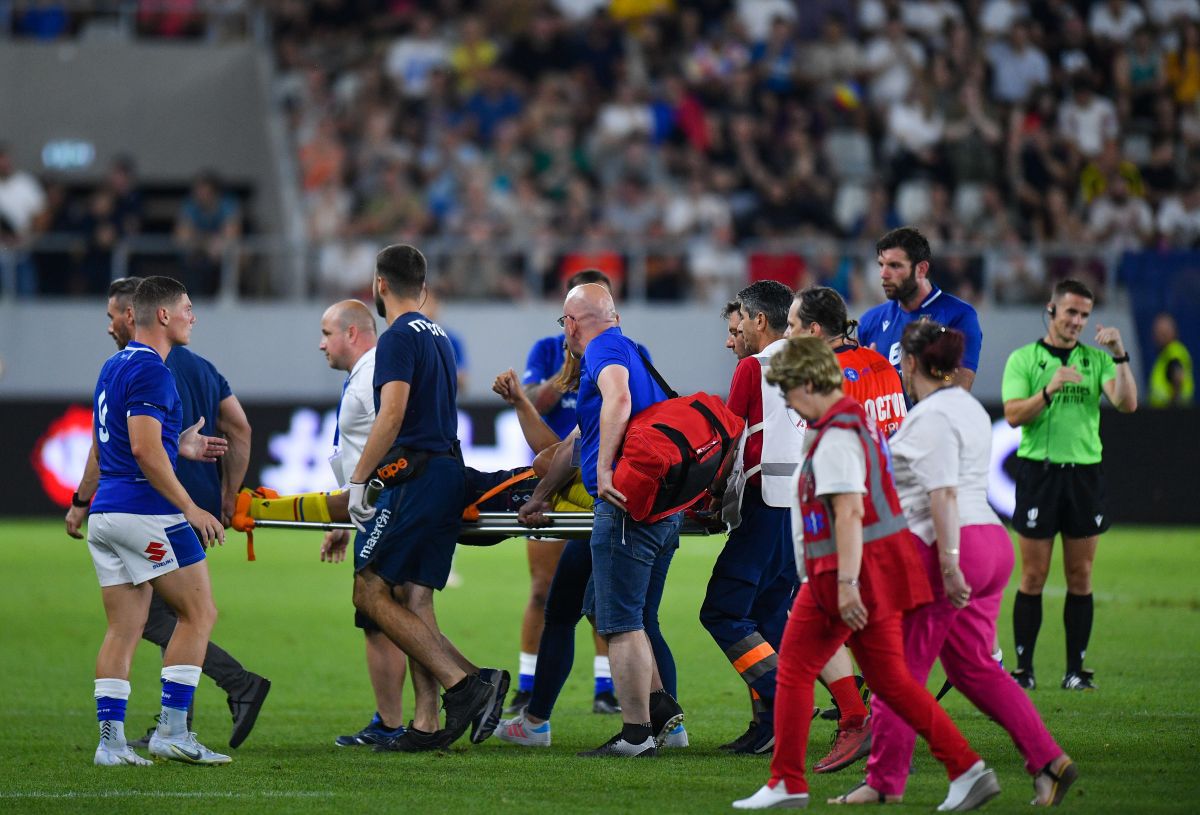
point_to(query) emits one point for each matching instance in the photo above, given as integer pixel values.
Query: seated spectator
(1075, 55)
(122, 182)
(1086, 120)
(998, 16)
(1119, 221)
(625, 116)
(1178, 220)
(695, 210)
(971, 137)
(1183, 67)
(1015, 271)
(1042, 163)
(632, 208)
(1114, 21)
(22, 204)
(893, 61)
(208, 226)
(775, 57)
(1018, 66)
(718, 267)
(494, 103)
(1168, 15)
(879, 218)
(1094, 178)
(543, 48)
(322, 157)
(472, 55)
(412, 58)
(1161, 174)
(917, 128)
(1140, 77)
(758, 16)
(833, 58)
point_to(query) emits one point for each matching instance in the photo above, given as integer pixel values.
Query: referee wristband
(76, 501)
(1046, 396)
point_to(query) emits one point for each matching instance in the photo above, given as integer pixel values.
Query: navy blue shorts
(415, 527)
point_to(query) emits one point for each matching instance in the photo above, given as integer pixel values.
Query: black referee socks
(1077, 620)
(1027, 621)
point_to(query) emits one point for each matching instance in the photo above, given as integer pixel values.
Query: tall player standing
(143, 527)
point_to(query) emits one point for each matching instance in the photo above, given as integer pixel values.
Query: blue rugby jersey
(133, 382)
(884, 324)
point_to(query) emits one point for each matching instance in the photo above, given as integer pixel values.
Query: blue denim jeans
(629, 568)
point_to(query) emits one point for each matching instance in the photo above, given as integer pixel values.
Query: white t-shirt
(893, 77)
(410, 62)
(839, 466)
(945, 441)
(355, 417)
(21, 200)
(1088, 127)
(1117, 27)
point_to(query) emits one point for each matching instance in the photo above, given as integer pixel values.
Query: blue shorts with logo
(411, 538)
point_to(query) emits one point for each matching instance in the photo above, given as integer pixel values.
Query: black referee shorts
(1054, 498)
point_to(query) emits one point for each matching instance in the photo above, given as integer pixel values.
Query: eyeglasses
(562, 321)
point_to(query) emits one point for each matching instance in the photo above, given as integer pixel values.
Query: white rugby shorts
(128, 548)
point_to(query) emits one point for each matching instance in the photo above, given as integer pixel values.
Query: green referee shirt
(1068, 430)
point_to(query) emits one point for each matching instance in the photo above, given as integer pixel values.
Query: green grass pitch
(287, 616)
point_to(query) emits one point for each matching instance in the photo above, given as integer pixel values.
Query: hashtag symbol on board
(302, 454)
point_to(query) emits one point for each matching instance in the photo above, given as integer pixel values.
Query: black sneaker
(746, 737)
(665, 716)
(245, 705)
(606, 702)
(485, 723)
(464, 706)
(373, 734)
(519, 701)
(1079, 680)
(617, 747)
(413, 741)
(762, 742)
(1025, 678)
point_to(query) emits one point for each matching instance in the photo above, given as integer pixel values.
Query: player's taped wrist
(76, 501)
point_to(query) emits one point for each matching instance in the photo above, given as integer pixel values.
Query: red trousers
(811, 638)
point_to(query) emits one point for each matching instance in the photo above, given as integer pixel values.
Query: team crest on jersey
(850, 374)
(1031, 517)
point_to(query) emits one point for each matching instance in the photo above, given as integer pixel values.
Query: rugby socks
(178, 687)
(1077, 619)
(849, 702)
(1027, 621)
(603, 674)
(528, 667)
(308, 506)
(111, 697)
(636, 733)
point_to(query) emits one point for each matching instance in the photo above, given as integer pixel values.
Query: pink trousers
(963, 639)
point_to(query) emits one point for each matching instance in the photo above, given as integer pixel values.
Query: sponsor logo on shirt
(886, 323)
(425, 325)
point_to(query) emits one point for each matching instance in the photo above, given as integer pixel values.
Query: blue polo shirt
(544, 361)
(201, 390)
(610, 348)
(416, 350)
(884, 325)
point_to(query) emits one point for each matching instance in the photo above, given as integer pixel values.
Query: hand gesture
(1110, 338)
(76, 516)
(533, 512)
(201, 448)
(850, 605)
(360, 510)
(508, 387)
(956, 588)
(1064, 374)
(607, 492)
(333, 548)
(207, 527)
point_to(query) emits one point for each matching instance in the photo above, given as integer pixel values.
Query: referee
(1052, 392)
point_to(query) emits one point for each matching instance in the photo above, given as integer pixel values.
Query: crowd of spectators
(579, 130)
(713, 141)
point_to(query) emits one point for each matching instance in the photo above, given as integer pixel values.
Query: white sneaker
(184, 748)
(676, 738)
(110, 755)
(518, 730)
(971, 790)
(768, 798)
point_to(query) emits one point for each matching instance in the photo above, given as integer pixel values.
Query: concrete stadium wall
(269, 353)
(179, 108)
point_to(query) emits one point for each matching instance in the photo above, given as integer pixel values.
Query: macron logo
(156, 551)
(886, 323)
(425, 325)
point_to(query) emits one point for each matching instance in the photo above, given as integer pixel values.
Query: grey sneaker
(606, 702)
(184, 748)
(617, 747)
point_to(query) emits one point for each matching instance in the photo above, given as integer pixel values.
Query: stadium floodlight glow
(1002, 490)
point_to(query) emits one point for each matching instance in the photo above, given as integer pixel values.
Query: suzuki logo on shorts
(1031, 518)
(156, 551)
